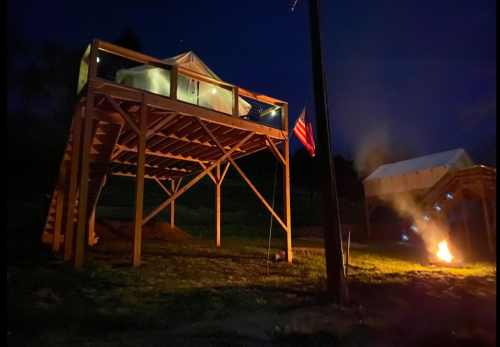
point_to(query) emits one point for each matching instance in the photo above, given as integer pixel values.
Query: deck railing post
(174, 77)
(236, 98)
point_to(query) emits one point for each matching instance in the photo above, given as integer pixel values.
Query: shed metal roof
(418, 164)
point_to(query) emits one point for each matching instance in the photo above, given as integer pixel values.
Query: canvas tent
(157, 80)
(415, 175)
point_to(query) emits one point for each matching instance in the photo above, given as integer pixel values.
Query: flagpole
(336, 280)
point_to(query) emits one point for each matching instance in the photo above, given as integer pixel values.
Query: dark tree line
(41, 98)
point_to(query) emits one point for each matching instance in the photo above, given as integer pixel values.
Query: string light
(98, 60)
(438, 208)
(448, 196)
(426, 218)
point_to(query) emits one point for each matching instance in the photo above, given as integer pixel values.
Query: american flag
(303, 130)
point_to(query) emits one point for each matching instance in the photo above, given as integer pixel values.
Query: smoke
(378, 149)
(432, 230)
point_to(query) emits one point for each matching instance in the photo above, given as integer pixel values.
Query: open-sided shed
(414, 175)
(439, 184)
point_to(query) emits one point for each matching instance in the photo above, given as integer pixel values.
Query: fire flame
(444, 252)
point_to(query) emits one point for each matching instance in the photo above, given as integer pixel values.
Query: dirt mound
(115, 231)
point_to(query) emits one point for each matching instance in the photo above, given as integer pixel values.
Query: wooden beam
(225, 172)
(285, 160)
(269, 110)
(174, 77)
(178, 185)
(213, 116)
(126, 93)
(119, 163)
(236, 102)
(139, 188)
(151, 132)
(84, 180)
(217, 205)
(242, 174)
(158, 154)
(258, 194)
(164, 188)
(56, 244)
(161, 124)
(197, 178)
(275, 150)
(132, 55)
(209, 173)
(260, 97)
(122, 113)
(73, 183)
(132, 175)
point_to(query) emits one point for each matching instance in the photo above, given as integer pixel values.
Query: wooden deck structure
(124, 131)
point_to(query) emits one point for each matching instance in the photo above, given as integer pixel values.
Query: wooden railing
(90, 61)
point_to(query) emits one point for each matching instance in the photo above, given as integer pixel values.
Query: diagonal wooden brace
(214, 139)
(197, 178)
(275, 150)
(209, 173)
(122, 113)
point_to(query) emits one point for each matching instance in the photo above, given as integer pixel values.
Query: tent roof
(418, 164)
(188, 60)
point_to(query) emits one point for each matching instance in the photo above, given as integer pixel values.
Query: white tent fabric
(415, 174)
(157, 80)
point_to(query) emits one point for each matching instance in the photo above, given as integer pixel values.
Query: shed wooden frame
(473, 183)
(124, 131)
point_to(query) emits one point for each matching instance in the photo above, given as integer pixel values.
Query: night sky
(416, 74)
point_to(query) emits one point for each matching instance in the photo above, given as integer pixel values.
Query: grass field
(194, 294)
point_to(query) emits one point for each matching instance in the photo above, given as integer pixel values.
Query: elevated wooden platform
(125, 131)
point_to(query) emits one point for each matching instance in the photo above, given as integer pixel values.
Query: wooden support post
(487, 220)
(286, 189)
(56, 242)
(236, 102)
(466, 222)
(172, 207)
(139, 187)
(84, 179)
(73, 184)
(174, 77)
(217, 204)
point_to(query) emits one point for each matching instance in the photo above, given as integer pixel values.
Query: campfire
(444, 257)
(444, 253)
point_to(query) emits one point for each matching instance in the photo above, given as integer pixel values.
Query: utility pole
(336, 278)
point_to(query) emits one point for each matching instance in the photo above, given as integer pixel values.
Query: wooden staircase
(104, 138)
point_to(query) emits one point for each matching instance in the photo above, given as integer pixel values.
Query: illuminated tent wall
(157, 80)
(415, 175)
(440, 184)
